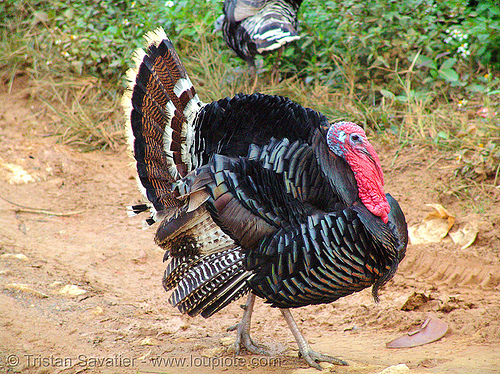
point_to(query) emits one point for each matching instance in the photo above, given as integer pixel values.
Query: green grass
(352, 62)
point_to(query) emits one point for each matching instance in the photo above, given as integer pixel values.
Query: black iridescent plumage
(250, 198)
(252, 27)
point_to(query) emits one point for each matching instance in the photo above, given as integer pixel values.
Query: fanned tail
(161, 105)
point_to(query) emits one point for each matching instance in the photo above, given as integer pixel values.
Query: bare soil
(70, 228)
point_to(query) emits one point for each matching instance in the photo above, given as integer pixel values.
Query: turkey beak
(367, 154)
(370, 157)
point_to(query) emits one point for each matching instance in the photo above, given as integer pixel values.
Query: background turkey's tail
(274, 26)
(273, 35)
(161, 105)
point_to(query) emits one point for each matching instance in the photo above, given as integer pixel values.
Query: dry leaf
(212, 352)
(227, 341)
(433, 228)
(465, 236)
(97, 311)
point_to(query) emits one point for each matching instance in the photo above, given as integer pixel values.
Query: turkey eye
(355, 138)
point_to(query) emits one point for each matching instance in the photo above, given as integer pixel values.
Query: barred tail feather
(161, 105)
(274, 35)
(239, 287)
(206, 284)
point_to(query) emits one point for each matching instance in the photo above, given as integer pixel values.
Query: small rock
(97, 311)
(227, 341)
(55, 284)
(72, 290)
(17, 256)
(5, 272)
(212, 352)
(395, 369)
(148, 341)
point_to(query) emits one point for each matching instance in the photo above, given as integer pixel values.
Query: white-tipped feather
(156, 36)
(137, 57)
(130, 211)
(192, 108)
(182, 85)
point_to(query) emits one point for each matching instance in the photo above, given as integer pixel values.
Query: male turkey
(257, 194)
(253, 27)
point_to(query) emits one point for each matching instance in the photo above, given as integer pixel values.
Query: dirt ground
(81, 282)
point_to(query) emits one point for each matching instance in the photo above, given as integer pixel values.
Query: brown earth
(70, 227)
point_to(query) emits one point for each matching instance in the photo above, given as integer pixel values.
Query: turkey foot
(312, 358)
(243, 331)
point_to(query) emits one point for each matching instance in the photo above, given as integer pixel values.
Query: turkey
(253, 27)
(256, 194)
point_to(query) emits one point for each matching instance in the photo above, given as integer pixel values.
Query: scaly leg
(275, 75)
(313, 358)
(243, 331)
(253, 74)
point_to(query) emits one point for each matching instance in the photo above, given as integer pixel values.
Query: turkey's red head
(348, 140)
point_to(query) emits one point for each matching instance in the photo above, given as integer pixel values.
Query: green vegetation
(423, 72)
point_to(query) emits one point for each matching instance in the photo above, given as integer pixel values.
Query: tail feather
(134, 210)
(161, 105)
(206, 284)
(206, 271)
(239, 287)
(197, 227)
(259, 26)
(215, 297)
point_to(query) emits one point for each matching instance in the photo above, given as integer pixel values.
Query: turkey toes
(243, 339)
(314, 358)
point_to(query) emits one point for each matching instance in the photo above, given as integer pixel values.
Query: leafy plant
(483, 23)
(412, 70)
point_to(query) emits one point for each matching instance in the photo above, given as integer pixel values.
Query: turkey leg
(313, 358)
(243, 330)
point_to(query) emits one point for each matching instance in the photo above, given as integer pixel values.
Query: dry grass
(86, 113)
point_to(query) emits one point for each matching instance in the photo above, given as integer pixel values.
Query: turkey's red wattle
(368, 174)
